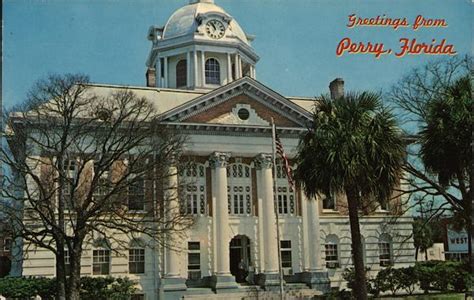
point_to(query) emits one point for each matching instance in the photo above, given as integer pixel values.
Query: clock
(215, 29)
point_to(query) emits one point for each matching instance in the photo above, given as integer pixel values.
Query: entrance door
(239, 257)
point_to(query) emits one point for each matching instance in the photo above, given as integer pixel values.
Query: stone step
(250, 293)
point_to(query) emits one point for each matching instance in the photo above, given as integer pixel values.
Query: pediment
(240, 114)
(242, 102)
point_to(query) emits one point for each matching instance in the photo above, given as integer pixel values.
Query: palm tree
(354, 147)
(446, 146)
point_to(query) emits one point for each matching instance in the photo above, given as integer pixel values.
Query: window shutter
(149, 192)
(47, 175)
(117, 173)
(85, 180)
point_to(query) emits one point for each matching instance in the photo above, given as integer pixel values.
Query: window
(331, 251)
(70, 172)
(103, 184)
(194, 178)
(385, 251)
(7, 245)
(285, 248)
(285, 193)
(136, 261)
(136, 194)
(243, 114)
(213, 72)
(101, 262)
(329, 202)
(181, 73)
(67, 262)
(384, 205)
(137, 297)
(239, 190)
(194, 260)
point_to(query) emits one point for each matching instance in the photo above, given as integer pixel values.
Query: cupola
(201, 46)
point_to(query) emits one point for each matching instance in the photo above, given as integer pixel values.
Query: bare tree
(423, 84)
(435, 101)
(85, 165)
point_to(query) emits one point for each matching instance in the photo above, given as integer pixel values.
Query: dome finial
(201, 1)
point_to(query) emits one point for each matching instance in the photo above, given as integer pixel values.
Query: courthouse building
(201, 76)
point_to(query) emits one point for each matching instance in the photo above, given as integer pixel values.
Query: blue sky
(296, 40)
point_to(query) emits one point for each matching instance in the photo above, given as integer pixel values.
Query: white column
(218, 162)
(188, 69)
(165, 80)
(229, 68)
(270, 260)
(240, 67)
(171, 199)
(314, 235)
(203, 68)
(252, 71)
(158, 72)
(195, 68)
(236, 66)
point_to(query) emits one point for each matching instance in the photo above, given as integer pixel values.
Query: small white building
(202, 78)
(435, 252)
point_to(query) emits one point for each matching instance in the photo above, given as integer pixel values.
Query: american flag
(282, 154)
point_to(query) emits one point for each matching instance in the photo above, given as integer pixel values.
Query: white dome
(183, 21)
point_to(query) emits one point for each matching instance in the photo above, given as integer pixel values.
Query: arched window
(181, 73)
(213, 71)
(331, 249)
(239, 189)
(385, 250)
(194, 180)
(285, 193)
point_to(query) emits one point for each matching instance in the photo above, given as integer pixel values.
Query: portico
(231, 189)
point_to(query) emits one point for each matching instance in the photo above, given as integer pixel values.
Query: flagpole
(275, 201)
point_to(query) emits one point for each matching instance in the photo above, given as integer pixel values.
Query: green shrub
(443, 275)
(27, 287)
(106, 288)
(424, 274)
(407, 279)
(96, 288)
(462, 281)
(349, 276)
(387, 280)
(336, 294)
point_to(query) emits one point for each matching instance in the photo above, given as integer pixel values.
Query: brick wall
(263, 111)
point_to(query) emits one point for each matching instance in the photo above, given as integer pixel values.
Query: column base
(269, 281)
(222, 283)
(318, 280)
(173, 284)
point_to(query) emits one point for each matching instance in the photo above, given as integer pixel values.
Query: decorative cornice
(192, 40)
(233, 129)
(263, 161)
(219, 159)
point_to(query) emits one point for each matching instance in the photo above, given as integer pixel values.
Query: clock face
(215, 29)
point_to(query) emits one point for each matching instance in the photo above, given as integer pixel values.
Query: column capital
(263, 161)
(219, 159)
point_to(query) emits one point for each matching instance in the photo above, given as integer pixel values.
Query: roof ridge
(145, 88)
